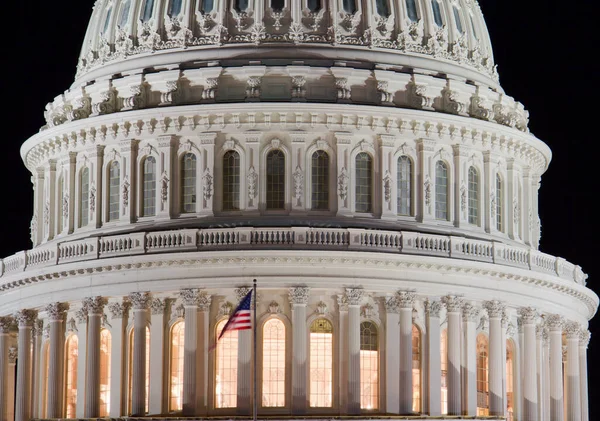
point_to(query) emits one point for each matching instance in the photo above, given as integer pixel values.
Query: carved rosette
(470, 313)
(405, 299)
(584, 338)
(495, 308)
(56, 311)
(158, 306)
(140, 300)
(298, 295)
(6, 324)
(529, 315)
(453, 303)
(119, 310)
(95, 305)
(433, 308)
(26, 318)
(354, 296)
(391, 304)
(572, 329)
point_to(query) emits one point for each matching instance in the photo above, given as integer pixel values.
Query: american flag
(240, 319)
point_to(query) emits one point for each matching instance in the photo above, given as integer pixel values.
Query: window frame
(354, 186)
(449, 214)
(477, 199)
(142, 186)
(380, 371)
(288, 357)
(171, 328)
(334, 368)
(411, 186)
(275, 144)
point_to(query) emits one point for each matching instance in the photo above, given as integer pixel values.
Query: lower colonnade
(345, 353)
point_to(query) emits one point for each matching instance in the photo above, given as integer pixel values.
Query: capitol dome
(358, 158)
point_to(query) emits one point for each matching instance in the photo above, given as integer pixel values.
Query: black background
(545, 50)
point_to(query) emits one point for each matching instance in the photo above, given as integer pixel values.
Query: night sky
(544, 50)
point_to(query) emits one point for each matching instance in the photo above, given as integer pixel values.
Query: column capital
(56, 311)
(584, 338)
(140, 300)
(546, 337)
(391, 304)
(554, 322)
(13, 353)
(26, 318)
(470, 313)
(241, 292)
(298, 295)
(119, 310)
(81, 315)
(528, 315)
(194, 297)
(495, 308)
(354, 296)
(94, 305)
(6, 324)
(159, 305)
(406, 299)
(539, 331)
(433, 308)
(453, 303)
(572, 329)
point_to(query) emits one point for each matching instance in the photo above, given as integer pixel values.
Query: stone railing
(304, 238)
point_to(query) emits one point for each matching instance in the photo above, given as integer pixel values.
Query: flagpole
(254, 391)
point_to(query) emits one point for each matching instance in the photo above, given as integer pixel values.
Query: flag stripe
(241, 317)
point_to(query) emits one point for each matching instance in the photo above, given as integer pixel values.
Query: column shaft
(55, 369)
(453, 376)
(4, 345)
(470, 363)
(116, 364)
(530, 375)
(573, 381)
(406, 380)
(353, 359)
(434, 368)
(556, 378)
(138, 388)
(299, 356)
(23, 398)
(545, 416)
(81, 362)
(244, 378)
(92, 380)
(584, 338)
(190, 368)
(35, 370)
(496, 367)
(343, 357)
(392, 358)
(158, 366)
(539, 358)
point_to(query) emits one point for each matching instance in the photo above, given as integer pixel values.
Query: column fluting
(434, 369)
(140, 302)
(25, 318)
(453, 307)
(406, 301)
(56, 316)
(470, 317)
(496, 311)
(530, 409)
(298, 299)
(555, 322)
(6, 324)
(584, 340)
(354, 297)
(572, 330)
(95, 310)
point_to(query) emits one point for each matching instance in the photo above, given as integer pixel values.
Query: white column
(95, 309)
(140, 302)
(555, 325)
(5, 325)
(35, 369)
(453, 306)
(26, 319)
(539, 356)
(434, 368)
(546, 375)
(584, 340)
(56, 315)
(392, 358)
(354, 297)
(521, 381)
(244, 374)
(425, 201)
(528, 317)
(470, 317)
(81, 317)
(343, 354)
(119, 314)
(157, 402)
(504, 334)
(203, 350)
(573, 382)
(497, 366)
(406, 301)
(298, 300)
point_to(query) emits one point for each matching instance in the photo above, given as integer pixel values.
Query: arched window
(71, 376)
(349, 6)
(174, 8)
(84, 199)
(147, 9)
(124, 18)
(206, 6)
(483, 405)
(188, 183)
(405, 174)
(383, 8)
(226, 361)
(314, 5)
(114, 182)
(231, 181)
(364, 183)
(241, 5)
(369, 366)
(499, 204)
(273, 366)
(106, 21)
(149, 192)
(416, 368)
(473, 196)
(459, 25)
(510, 376)
(277, 5)
(441, 191)
(411, 10)
(131, 345)
(176, 377)
(321, 364)
(320, 181)
(444, 366)
(105, 354)
(437, 13)
(275, 180)
(59, 204)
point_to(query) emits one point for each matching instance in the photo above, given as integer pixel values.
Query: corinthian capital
(554, 322)
(158, 305)
(495, 308)
(453, 303)
(391, 304)
(6, 324)
(572, 330)
(192, 297)
(433, 308)
(118, 310)
(528, 315)
(584, 338)
(140, 300)
(25, 318)
(406, 299)
(56, 311)
(298, 295)
(354, 296)
(95, 305)
(470, 313)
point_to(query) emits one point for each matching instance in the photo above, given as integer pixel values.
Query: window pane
(411, 10)
(188, 183)
(176, 377)
(174, 8)
(369, 366)
(314, 5)
(275, 180)
(321, 363)
(349, 6)
(241, 5)
(444, 365)
(105, 344)
(459, 26)
(207, 6)
(473, 196)
(383, 8)
(71, 376)
(84, 204)
(404, 185)
(482, 376)
(273, 368)
(499, 204)
(226, 368)
(277, 5)
(106, 21)
(416, 368)
(147, 10)
(125, 14)
(231, 181)
(149, 187)
(113, 192)
(437, 13)
(364, 183)
(441, 191)
(510, 386)
(320, 181)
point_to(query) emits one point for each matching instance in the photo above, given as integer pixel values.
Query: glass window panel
(321, 364)
(276, 180)
(241, 5)
(231, 181)
(441, 191)
(510, 386)
(84, 204)
(207, 6)
(383, 8)
(226, 368)
(369, 366)
(149, 187)
(131, 345)
(459, 26)
(273, 367)
(437, 13)
(71, 376)
(188, 183)
(114, 182)
(411, 10)
(473, 196)
(349, 6)
(147, 10)
(320, 181)
(277, 5)
(174, 8)
(176, 374)
(405, 175)
(106, 21)
(416, 368)
(314, 5)
(483, 407)
(499, 204)
(125, 14)
(444, 365)
(105, 356)
(364, 183)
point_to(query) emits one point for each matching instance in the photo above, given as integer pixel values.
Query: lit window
(499, 204)
(226, 368)
(444, 365)
(437, 13)
(314, 5)
(510, 386)
(275, 180)
(483, 406)
(383, 8)
(321, 364)
(106, 21)
(349, 6)
(231, 181)
(241, 5)
(71, 376)
(320, 181)
(369, 366)
(416, 368)
(59, 204)
(206, 6)
(131, 342)
(84, 199)
(411, 10)
(277, 5)
(105, 351)
(364, 183)
(404, 172)
(188, 183)
(473, 196)
(114, 181)
(441, 191)
(124, 13)
(174, 8)
(149, 198)
(273, 367)
(459, 26)
(147, 10)
(177, 356)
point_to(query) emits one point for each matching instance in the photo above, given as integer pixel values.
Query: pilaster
(81, 319)
(572, 330)
(470, 316)
(555, 322)
(354, 297)
(36, 354)
(298, 299)
(406, 301)
(25, 319)
(425, 187)
(299, 172)
(128, 179)
(252, 170)
(165, 176)
(157, 403)
(392, 357)
(461, 195)
(95, 310)
(207, 173)
(344, 176)
(343, 354)
(140, 302)
(497, 366)
(528, 317)
(453, 308)
(49, 212)
(389, 195)
(527, 208)
(37, 226)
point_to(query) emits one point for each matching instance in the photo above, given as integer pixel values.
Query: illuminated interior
(71, 376)
(369, 366)
(321, 364)
(444, 365)
(226, 368)
(176, 372)
(416, 368)
(483, 395)
(273, 367)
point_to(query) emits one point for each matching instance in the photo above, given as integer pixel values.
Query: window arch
(130, 374)
(231, 181)
(71, 350)
(273, 364)
(441, 191)
(457, 20)
(149, 187)
(349, 6)
(473, 196)
(510, 379)
(321, 364)
(206, 6)
(114, 183)
(174, 8)
(499, 203)
(411, 10)
(105, 362)
(483, 406)
(176, 369)
(241, 5)
(275, 180)
(383, 8)
(84, 197)
(364, 183)
(437, 13)
(320, 180)
(226, 361)
(405, 180)
(59, 203)
(416, 368)
(369, 366)
(124, 18)
(444, 366)
(147, 8)
(188, 183)
(314, 5)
